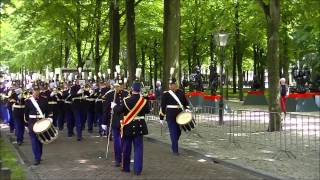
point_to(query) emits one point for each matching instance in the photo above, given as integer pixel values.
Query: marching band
(108, 106)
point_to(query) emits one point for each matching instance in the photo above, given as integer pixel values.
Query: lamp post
(221, 40)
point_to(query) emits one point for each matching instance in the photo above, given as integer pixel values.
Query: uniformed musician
(115, 96)
(170, 108)
(133, 127)
(68, 115)
(92, 95)
(32, 115)
(77, 102)
(11, 100)
(98, 107)
(18, 111)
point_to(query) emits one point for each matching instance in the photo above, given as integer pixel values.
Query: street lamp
(221, 40)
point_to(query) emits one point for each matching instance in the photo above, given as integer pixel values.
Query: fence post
(5, 174)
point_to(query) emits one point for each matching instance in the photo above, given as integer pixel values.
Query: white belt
(138, 117)
(173, 106)
(67, 102)
(91, 99)
(18, 106)
(97, 100)
(35, 116)
(78, 98)
(52, 102)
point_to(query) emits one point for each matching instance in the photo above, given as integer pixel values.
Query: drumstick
(110, 124)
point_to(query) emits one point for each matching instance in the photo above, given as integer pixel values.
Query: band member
(116, 96)
(68, 109)
(98, 106)
(53, 106)
(133, 127)
(77, 102)
(171, 108)
(92, 95)
(33, 105)
(18, 115)
(3, 103)
(12, 95)
(60, 109)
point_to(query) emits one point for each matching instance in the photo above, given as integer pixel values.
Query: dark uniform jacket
(18, 108)
(30, 109)
(100, 100)
(119, 101)
(167, 99)
(138, 125)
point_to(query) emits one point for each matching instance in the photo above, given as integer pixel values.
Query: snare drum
(45, 130)
(186, 121)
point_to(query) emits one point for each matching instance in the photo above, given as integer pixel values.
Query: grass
(9, 160)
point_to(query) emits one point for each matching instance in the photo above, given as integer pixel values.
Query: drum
(186, 121)
(45, 130)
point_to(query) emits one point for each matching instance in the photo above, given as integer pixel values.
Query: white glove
(113, 104)
(53, 93)
(104, 127)
(188, 110)
(161, 122)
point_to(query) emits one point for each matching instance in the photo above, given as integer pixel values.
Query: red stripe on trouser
(283, 103)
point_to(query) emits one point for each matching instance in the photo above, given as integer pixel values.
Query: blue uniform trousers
(11, 120)
(36, 146)
(90, 118)
(117, 145)
(19, 126)
(4, 113)
(99, 119)
(137, 142)
(78, 116)
(70, 122)
(60, 119)
(175, 133)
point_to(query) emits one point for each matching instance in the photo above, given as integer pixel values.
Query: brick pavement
(67, 158)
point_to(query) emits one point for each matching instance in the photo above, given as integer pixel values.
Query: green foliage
(35, 33)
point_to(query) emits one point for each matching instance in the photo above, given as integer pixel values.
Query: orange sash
(133, 113)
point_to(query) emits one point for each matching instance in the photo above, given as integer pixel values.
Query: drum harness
(36, 105)
(177, 99)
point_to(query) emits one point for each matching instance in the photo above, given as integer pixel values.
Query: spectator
(158, 90)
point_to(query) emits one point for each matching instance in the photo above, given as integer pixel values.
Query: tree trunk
(97, 42)
(171, 40)
(78, 34)
(272, 13)
(285, 55)
(150, 71)
(66, 50)
(143, 63)
(131, 40)
(114, 31)
(156, 63)
(238, 52)
(234, 71)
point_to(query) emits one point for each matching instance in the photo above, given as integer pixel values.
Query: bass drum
(45, 130)
(186, 121)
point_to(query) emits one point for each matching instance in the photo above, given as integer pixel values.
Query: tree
(272, 14)
(171, 38)
(114, 33)
(131, 40)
